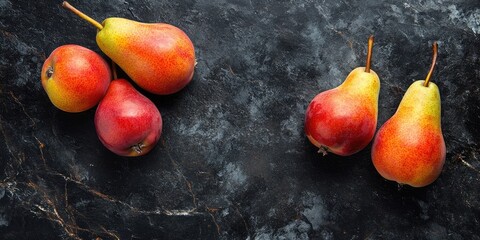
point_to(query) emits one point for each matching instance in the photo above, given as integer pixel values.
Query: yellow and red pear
(158, 57)
(343, 120)
(75, 78)
(409, 148)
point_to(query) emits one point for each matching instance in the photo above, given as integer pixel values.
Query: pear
(409, 148)
(158, 57)
(75, 78)
(127, 122)
(343, 120)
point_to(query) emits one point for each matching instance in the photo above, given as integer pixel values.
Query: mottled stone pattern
(233, 161)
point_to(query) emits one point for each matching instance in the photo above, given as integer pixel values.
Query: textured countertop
(233, 161)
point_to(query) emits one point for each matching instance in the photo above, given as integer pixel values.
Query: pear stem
(114, 70)
(369, 53)
(67, 5)
(434, 62)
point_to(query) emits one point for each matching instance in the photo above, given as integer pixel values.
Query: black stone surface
(233, 161)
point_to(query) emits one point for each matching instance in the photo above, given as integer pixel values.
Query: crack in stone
(110, 233)
(6, 140)
(243, 219)
(188, 212)
(41, 146)
(14, 167)
(190, 189)
(70, 227)
(133, 14)
(460, 157)
(53, 215)
(174, 212)
(211, 211)
(15, 98)
(188, 183)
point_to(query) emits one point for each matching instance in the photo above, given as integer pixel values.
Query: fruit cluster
(409, 148)
(158, 57)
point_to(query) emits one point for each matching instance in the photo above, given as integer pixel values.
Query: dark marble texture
(233, 162)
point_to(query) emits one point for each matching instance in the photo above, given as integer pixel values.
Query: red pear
(127, 122)
(343, 120)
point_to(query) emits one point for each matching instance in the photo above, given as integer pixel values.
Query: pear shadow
(111, 168)
(394, 190)
(164, 101)
(151, 160)
(400, 199)
(403, 200)
(330, 166)
(74, 124)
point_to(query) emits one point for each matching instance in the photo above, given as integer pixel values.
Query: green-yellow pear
(409, 148)
(343, 120)
(158, 57)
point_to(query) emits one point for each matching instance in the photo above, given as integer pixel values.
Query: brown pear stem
(369, 53)
(434, 62)
(114, 70)
(67, 5)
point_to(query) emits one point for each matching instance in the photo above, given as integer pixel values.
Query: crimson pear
(343, 120)
(127, 122)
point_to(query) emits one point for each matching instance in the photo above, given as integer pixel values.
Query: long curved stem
(434, 62)
(67, 5)
(369, 53)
